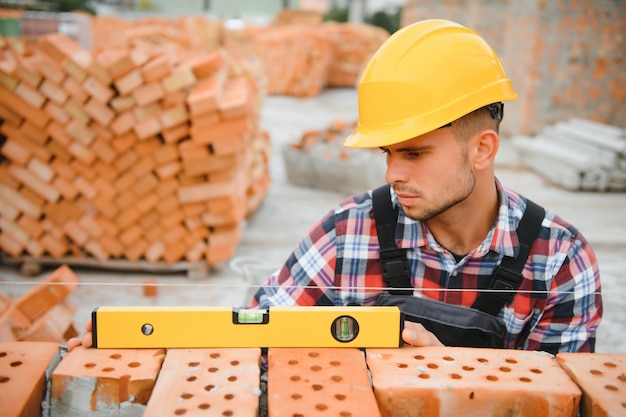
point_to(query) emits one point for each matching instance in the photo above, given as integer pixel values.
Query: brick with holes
(449, 381)
(23, 370)
(207, 382)
(104, 382)
(602, 378)
(313, 382)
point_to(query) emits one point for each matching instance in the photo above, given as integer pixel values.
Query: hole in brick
(335, 363)
(418, 357)
(134, 365)
(432, 366)
(624, 404)
(297, 415)
(90, 365)
(16, 364)
(524, 379)
(296, 396)
(340, 397)
(209, 387)
(336, 378)
(313, 354)
(492, 378)
(595, 372)
(403, 365)
(535, 371)
(193, 364)
(232, 378)
(213, 369)
(611, 387)
(610, 365)
(622, 377)
(511, 360)
(115, 356)
(316, 368)
(108, 369)
(321, 407)
(180, 412)
(482, 360)
(229, 396)
(345, 414)
(204, 406)
(448, 358)
(228, 413)
(186, 396)
(471, 396)
(214, 355)
(3, 354)
(317, 387)
(234, 363)
(505, 369)
(292, 362)
(4, 379)
(424, 376)
(468, 368)
(192, 378)
(455, 376)
(296, 378)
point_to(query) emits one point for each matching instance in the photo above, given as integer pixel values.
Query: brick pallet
(127, 154)
(39, 379)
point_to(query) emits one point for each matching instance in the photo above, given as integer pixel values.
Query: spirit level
(217, 327)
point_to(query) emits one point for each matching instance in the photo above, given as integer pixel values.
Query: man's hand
(416, 335)
(85, 341)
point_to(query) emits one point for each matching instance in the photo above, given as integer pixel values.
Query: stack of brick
(438, 382)
(105, 152)
(43, 313)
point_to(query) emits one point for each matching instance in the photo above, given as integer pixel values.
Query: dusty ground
(288, 212)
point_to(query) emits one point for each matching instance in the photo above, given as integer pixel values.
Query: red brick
(99, 112)
(23, 367)
(179, 79)
(195, 382)
(227, 128)
(35, 184)
(80, 131)
(58, 46)
(176, 133)
(123, 103)
(311, 382)
(76, 111)
(12, 101)
(602, 379)
(203, 96)
(53, 92)
(33, 133)
(26, 71)
(148, 93)
(55, 325)
(9, 116)
(233, 100)
(30, 95)
(104, 381)
(15, 152)
(172, 117)
(128, 82)
(147, 128)
(7, 69)
(206, 65)
(117, 62)
(158, 68)
(50, 69)
(19, 201)
(56, 112)
(42, 170)
(447, 381)
(97, 89)
(75, 90)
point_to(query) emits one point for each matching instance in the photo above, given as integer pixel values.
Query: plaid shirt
(558, 306)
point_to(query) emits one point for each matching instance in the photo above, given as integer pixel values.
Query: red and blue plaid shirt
(558, 306)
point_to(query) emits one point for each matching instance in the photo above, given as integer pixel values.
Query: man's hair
(487, 117)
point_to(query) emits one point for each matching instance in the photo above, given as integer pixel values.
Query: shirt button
(453, 273)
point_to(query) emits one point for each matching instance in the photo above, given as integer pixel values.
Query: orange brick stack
(43, 313)
(110, 156)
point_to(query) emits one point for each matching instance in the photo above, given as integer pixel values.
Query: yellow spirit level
(226, 327)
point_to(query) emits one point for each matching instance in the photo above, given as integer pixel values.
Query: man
(431, 100)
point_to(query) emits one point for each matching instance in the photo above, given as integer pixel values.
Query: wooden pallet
(31, 266)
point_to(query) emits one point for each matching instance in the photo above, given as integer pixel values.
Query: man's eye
(384, 151)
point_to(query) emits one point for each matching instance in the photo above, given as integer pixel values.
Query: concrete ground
(288, 212)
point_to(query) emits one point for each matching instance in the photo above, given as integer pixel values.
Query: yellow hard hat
(423, 77)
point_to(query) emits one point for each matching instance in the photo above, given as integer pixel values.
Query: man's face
(430, 174)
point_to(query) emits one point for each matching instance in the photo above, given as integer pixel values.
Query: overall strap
(507, 277)
(395, 265)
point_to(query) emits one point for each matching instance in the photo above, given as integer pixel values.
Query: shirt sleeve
(574, 306)
(307, 277)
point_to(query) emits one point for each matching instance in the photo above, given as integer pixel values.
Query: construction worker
(431, 98)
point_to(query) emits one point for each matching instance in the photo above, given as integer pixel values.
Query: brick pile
(137, 152)
(426, 381)
(44, 313)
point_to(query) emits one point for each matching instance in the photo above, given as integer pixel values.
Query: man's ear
(484, 149)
